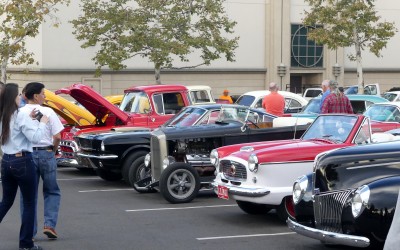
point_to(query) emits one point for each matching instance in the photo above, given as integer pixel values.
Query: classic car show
(207, 124)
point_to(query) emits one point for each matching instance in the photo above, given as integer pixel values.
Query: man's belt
(43, 148)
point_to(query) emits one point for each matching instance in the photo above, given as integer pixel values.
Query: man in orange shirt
(274, 103)
(225, 96)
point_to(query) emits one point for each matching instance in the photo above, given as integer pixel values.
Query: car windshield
(186, 117)
(135, 102)
(383, 113)
(312, 106)
(331, 127)
(245, 100)
(389, 96)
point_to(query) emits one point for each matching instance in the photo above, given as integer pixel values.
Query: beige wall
(264, 31)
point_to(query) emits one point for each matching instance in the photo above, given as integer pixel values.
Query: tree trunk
(4, 70)
(157, 74)
(360, 77)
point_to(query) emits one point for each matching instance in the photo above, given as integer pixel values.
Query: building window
(305, 53)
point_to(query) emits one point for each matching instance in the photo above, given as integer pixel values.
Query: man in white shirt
(44, 157)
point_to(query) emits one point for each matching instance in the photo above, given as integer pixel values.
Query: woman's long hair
(7, 108)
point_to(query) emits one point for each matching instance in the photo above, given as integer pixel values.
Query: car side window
(173, 102)
(158, 103)
(259, 103)
(364, 134)
(294, 104)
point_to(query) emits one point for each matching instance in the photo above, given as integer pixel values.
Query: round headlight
(299, 188)
(253, 163)
(214, 157)
(359, 200)
(167, 161)
(147, 160)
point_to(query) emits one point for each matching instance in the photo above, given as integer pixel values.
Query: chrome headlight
(299, 188)
(102, 147)
(147, 160)
(253, 163)
(214, 159)
(360, 200)
(167, 161)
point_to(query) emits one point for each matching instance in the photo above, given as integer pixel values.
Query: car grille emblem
(232, 170)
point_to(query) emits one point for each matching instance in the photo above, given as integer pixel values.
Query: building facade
(272, 47)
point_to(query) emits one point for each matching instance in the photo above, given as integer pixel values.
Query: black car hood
(352, 167)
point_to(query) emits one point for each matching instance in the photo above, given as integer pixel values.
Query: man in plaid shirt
(336, 101)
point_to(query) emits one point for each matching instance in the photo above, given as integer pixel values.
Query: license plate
(223, 192)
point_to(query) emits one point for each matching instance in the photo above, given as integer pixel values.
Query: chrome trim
(328, 237)
(283, 162)
(101, 157)
(373, 165)
(242, 191)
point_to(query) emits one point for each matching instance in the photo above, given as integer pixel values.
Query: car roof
(261, 93)
(357, 97)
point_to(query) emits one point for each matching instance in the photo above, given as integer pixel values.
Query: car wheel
(253, 208)
(179, 183)
(128, 164)
(108, 175)
(137, 172)
(286, 209)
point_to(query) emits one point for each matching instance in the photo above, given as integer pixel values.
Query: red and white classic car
(260, 176)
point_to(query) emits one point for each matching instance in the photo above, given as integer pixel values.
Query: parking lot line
(177, 208)
(78, 179)
(243, 236)
(106, 190)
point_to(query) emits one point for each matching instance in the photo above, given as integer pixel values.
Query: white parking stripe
(78, 179)
(105, 190)
(243, 236)
(177, 208)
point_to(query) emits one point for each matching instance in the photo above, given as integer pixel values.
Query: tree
(21, 19)
(349, 23)
(160, 30)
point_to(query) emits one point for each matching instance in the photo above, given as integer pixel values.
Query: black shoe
(35, 247)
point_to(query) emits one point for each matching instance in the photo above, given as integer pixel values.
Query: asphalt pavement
(100, 215)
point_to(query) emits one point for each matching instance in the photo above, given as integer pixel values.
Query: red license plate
(223, 192)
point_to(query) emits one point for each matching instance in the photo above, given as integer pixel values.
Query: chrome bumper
(67, 162)
(242, 191)
(100, 157)
(328, 237)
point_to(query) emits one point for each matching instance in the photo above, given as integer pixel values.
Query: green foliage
(348, 23)
(160, 30)
(21, 19)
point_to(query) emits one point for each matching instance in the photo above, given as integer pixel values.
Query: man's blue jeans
(47, 170)
(20, 171)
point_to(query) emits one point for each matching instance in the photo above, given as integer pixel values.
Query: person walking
(274, 103)
(44, 158)
(325, 92)
(336, 101)
(226, 97)
(18, 131)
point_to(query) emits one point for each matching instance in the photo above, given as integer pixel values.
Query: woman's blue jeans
(20, 171)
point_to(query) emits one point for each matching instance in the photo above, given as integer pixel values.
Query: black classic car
(180, 156)
(118, 153)
(350, 198)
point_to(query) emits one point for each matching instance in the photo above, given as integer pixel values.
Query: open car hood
(93, 101)
(70, 112)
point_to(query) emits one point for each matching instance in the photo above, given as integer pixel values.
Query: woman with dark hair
(17, 132)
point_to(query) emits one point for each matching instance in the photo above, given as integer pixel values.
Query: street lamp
(281, 71)
(336, 70)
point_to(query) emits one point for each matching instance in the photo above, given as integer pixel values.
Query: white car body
(255, 98)
(200, 94)
(274, 182)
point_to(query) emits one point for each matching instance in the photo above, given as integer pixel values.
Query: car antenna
(295, 128)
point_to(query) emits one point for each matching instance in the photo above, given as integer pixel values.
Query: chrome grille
(233, 170)
(328, 209)
(158, 147)
(85, 144)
